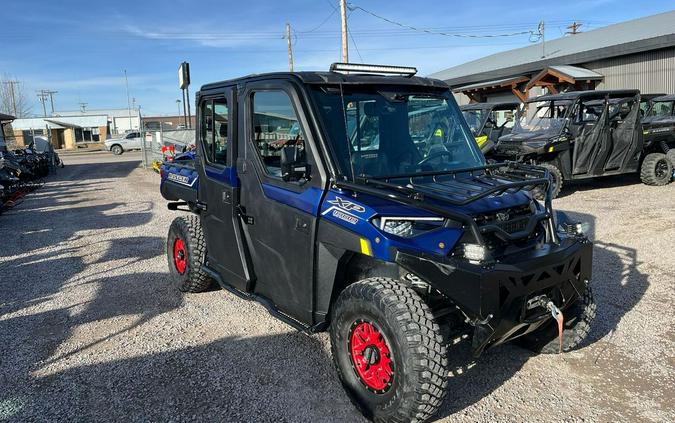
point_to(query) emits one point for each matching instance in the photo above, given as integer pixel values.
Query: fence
(152, 142)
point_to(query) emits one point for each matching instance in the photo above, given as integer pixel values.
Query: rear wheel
(186, 252)
(117, 149)
(556, 180)
(388, 351)
(576, 327)
(656, 169)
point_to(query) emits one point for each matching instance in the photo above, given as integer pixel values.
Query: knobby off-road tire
(403, 344)
(656, 169)
(671, 156)
(186, 252)
(576, 327)
(556, 179)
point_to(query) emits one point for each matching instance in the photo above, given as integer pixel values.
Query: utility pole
(11, 91)
(290, 49)
(51, 98)
(543, 39)
(574, 28)
(126, 81)
(343, 18)
(42, 95)
(83, 107)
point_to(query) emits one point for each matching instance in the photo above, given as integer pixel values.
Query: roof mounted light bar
(375, 69)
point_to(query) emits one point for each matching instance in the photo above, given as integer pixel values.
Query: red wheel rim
(179, 255)
(371, 357)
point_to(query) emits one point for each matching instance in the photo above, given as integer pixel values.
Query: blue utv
(333, 199)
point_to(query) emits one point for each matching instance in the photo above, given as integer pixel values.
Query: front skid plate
(495, 296)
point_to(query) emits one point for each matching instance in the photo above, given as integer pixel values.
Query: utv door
(279, 216)
(626, 137)
(591, 145)
(218, 185)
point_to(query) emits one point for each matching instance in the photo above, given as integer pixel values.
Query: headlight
(407, 227)
(579, 228)
(474, 252)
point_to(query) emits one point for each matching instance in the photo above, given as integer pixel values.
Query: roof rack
(374, 69)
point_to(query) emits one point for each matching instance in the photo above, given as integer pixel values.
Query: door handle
(301, 225)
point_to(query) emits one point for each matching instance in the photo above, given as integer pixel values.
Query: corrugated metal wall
(650, 72)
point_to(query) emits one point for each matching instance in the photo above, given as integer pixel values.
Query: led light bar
(376, 69)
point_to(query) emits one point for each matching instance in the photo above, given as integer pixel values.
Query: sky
(82, 48)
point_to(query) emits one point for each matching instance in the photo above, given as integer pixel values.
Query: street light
(178, 104)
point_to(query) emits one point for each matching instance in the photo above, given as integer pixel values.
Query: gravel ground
(91, 330)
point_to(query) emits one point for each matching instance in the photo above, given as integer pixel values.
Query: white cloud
(204, 37)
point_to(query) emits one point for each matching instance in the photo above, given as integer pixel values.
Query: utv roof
(489, 106)
(651, 96)
(333, 78)
(668, 97)
(6, 118)
(573, 95)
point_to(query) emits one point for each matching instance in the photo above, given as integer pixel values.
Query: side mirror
(294, 167)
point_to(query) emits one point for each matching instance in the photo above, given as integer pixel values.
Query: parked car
(585, 134)
(489, 121)
(126, 142)
(390, 248)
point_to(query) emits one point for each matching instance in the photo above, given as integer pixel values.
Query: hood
(527, 136)
(658, 121)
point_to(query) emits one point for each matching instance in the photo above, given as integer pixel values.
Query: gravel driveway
(91, 330)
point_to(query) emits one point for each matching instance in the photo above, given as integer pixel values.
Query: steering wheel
(434, 156)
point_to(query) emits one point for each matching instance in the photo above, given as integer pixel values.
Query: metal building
(637, 54)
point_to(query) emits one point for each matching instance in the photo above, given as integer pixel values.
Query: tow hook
(558, 316)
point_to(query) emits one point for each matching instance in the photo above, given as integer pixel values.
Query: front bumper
(495, 297)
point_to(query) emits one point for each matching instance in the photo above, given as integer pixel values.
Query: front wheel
(556, 181)
(117, 150)
(388, 351)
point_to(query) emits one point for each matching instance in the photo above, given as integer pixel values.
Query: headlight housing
(475, 253)
(407, 227)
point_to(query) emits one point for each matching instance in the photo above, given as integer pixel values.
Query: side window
(220, 117)
(213, 130)
(275, 127)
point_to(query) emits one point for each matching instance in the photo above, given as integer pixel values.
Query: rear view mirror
(294, 165)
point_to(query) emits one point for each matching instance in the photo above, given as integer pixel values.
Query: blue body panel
(354, 214)
(184, 173)
(306, 201)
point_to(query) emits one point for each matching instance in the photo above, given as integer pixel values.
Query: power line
(354, 42)
(321, 24)
(513, 34)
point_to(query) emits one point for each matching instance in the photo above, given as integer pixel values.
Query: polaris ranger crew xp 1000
(489, 121)
(585, 134)
(326, 197)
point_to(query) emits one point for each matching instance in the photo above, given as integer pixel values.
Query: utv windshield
(548, 117)
(374, 132)
(662, 109)
(474, 118)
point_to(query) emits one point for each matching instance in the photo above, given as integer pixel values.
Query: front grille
(507, 218)
(513, 226)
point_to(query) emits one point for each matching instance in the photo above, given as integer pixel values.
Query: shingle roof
(644, 34)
